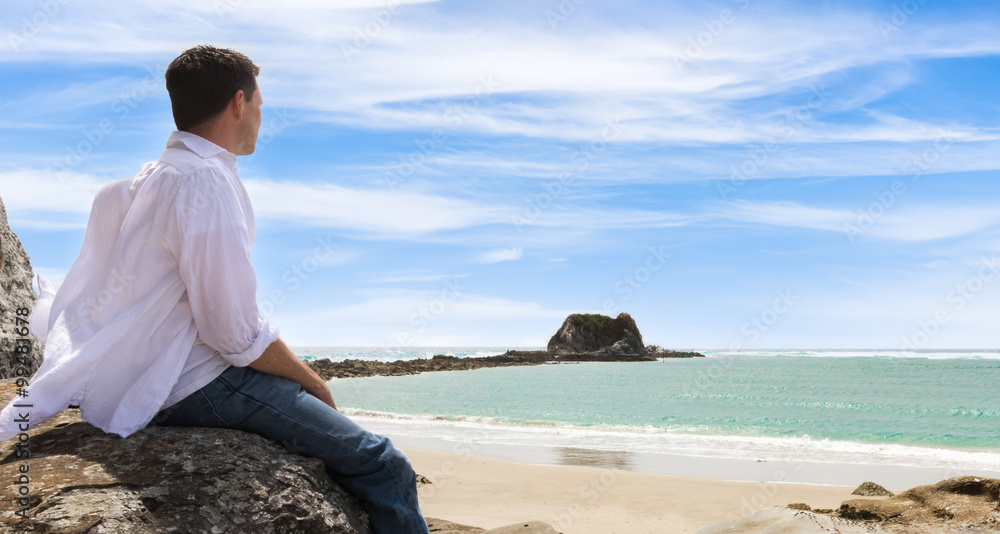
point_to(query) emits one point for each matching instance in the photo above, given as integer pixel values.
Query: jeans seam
(212, 406)
(395, 476)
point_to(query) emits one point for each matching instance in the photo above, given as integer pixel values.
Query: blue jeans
(365, 464)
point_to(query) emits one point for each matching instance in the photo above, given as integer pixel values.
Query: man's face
(250, 125)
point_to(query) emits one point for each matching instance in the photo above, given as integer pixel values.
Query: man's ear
(237, 103)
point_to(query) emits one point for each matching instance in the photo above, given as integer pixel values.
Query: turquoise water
(944, 400)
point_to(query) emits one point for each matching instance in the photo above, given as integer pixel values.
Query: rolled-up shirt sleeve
(210, 239)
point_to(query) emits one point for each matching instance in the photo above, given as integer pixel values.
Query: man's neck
(218, 135)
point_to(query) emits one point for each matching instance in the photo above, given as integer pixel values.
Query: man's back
(122, 339)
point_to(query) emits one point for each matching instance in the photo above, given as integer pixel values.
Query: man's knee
(400, 464)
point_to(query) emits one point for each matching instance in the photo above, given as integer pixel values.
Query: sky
(737, 174)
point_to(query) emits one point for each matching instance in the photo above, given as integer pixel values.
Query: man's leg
(366, 464)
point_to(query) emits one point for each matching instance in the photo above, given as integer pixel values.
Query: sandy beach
(490, 492)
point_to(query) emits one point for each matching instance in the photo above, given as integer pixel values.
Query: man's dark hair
(201, 81)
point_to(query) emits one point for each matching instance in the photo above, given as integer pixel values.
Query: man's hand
(279, 360)
(320, 391)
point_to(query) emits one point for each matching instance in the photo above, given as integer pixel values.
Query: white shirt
(160, 301)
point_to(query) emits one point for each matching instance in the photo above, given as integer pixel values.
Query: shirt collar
(200, 146)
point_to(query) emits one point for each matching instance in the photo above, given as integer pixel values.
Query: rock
(440, 526)
(964, 504)
(530, 527)
(177, 479)
(657, 352)
(15, 292)
(800, 506)
(959, 502)
(871, 489)
(161, 479)
(588, 332)
(780, 519)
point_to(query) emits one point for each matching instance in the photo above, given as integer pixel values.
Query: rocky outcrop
(963, 504)
(590, 332)
(958, 502)
(582, 330)
(871, 489)
(15, 292)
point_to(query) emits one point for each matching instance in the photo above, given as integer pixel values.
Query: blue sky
(739, 174)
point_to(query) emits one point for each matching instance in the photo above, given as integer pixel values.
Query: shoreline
(805, 472)
(489, 492)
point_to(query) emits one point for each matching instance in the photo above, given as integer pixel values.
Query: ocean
(936, 411)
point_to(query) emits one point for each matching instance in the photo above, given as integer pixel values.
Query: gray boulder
(167, 479)
(15, 292)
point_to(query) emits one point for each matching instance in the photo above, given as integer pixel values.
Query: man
(157, 316)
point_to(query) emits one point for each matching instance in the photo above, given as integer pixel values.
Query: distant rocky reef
(581, 338)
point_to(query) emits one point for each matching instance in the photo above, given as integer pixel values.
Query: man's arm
(278, 360)
(210, 240)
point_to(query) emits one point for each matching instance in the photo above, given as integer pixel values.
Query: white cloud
(916, 223)
(380, 212)
(791, 214)
(929, 223)
(392, 278)
(32, 197)
(80, 95)
(411, 67)
(500, 254)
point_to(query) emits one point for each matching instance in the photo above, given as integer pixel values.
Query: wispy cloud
(792, 214)
(420, 62)
(392, 278)
(368, 211)
(500, 254)
(914, 223)
(48, 200)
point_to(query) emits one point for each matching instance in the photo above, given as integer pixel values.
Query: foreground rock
(589, 332)
(963, 504)
(176, 479)
(15, 292)
(165, 479)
